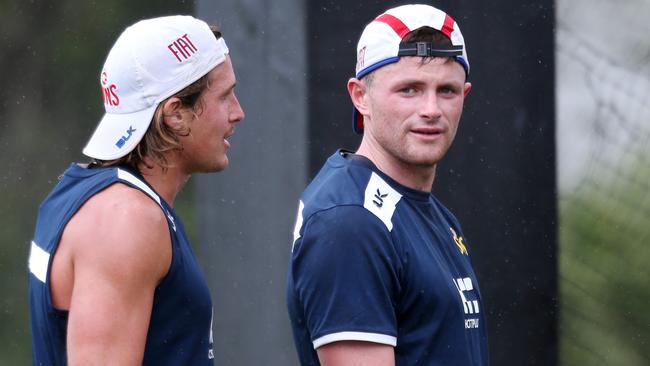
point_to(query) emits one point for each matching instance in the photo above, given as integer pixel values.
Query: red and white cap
(381, 43)
(151, 60)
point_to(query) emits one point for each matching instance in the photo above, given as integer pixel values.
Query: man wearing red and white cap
(380, 272)
(113, 280)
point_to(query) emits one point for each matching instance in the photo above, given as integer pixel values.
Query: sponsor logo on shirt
(471, 307)
(459, 242)
(379, 198)
(210, 350)
(171, 219)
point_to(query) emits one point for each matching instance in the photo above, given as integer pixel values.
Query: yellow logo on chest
(459, 242)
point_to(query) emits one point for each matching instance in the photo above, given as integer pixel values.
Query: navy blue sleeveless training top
(180, 329)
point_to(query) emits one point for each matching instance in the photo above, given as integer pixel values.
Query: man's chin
(222, 165)
(215, 167)
(431, 158)
(425, 161)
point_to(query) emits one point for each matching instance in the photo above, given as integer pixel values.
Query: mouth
(226, 137)
(428, 131)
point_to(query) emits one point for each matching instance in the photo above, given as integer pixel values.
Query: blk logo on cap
(123, 139)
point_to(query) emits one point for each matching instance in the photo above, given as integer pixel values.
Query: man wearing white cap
(380, 272)
(113, 279)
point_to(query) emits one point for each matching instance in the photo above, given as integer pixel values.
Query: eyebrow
(413, 81)
(228, 90)
(410, 81)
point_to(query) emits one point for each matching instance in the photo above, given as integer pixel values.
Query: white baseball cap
(151, 60)
(381, 43)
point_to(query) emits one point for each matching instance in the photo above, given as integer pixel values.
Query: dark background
(499, 176)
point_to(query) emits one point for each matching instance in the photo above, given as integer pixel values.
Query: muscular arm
(356, 353)
(115, 251)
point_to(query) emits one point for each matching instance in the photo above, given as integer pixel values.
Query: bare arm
(119, 248)
(356, 353)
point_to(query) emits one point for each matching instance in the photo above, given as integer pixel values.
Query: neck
(166, 182)
(419, 177)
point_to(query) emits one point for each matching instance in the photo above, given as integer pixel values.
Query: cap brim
(357, 121)
(118, 134)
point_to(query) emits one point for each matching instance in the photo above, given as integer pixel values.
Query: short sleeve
(345, 270)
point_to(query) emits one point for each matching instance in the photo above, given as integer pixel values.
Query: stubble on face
(414, 109)
(205, 148)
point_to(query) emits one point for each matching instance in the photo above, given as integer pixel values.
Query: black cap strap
(428, 49)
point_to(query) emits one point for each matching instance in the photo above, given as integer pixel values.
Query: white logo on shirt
(464, 285)
(381, 199)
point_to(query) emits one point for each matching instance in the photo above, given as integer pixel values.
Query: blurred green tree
(604, 287)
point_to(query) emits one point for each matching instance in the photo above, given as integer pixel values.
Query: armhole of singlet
(132, 179)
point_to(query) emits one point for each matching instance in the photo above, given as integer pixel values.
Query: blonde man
(113, 280)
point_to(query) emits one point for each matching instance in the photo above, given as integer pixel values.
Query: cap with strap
(381, 43)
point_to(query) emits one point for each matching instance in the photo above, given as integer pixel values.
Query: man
(380, 272)
(113, 280)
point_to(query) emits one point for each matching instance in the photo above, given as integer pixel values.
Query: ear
(467, 88)
(174, 113)
(358, 91)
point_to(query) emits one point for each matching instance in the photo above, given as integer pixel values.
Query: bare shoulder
(120, 229)
(114, 252)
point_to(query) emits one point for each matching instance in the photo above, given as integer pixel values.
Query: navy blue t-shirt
(180, 328)
(375, 261)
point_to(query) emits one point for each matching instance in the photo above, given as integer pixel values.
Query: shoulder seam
(360, 206)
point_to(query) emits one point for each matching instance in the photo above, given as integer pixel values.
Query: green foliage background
(50, 59)
(604, 271)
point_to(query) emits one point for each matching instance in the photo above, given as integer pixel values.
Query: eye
(226, 96)
(448, 90)
(407, 90)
